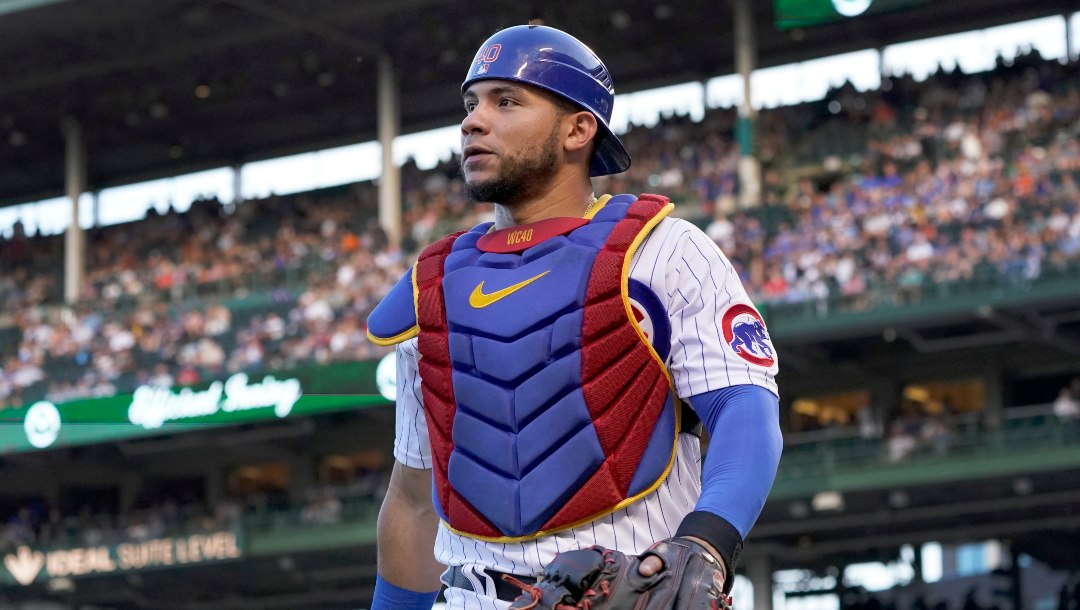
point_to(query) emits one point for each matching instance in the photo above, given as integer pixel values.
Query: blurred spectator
(1066, 406)
(1067, 410)
(900, 443)
(869, 426)
(323, 507)
(936, 434)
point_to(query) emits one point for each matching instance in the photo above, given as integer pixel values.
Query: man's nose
(475, 122)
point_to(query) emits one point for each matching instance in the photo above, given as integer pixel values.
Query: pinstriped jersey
(715, 339)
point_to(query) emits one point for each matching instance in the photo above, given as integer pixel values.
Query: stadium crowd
(868, 199)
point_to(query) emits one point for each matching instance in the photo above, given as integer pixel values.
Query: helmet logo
(488, 54)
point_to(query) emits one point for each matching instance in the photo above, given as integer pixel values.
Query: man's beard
(518, 176)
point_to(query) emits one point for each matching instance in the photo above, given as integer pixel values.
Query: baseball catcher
(556, 365)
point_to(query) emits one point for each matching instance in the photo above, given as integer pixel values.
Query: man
(550, 366)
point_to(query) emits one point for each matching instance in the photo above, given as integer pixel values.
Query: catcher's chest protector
(546, 405)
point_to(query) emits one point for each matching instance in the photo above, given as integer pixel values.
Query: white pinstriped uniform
(697, 284)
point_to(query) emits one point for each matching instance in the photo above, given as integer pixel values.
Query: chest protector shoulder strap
(547, 407)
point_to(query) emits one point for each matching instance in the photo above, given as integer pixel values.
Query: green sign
(791, 14)
(155, 410)
(25, 565)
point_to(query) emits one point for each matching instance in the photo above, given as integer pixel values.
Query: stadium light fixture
(851, 8)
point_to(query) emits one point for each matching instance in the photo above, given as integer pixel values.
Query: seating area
(870, 199)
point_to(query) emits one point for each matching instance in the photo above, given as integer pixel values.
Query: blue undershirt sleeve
(744, 451)
(391, 597)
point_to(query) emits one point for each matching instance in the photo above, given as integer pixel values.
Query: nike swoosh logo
(478, 299)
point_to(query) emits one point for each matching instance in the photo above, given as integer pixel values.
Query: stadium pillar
(389, 128)
(130, 488)
(885, 400)
(74, 187)
(301, 480)
(994, 395)
(917, 565)
(759, 570)
(745, 58)
(238, 184)
(95, 203)
(215, 483)
(1008, 582)
(1069, 33)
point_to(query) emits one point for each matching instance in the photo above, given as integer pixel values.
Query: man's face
(510, 141)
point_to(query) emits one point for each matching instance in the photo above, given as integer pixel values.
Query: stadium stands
(876, 199)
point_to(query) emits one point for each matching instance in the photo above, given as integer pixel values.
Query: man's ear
(581, 130)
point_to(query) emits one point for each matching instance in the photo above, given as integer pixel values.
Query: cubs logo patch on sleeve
(745, 334)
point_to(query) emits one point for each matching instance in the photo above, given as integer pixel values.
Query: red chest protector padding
(624, 385)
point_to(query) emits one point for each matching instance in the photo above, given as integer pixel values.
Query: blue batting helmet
(557, 62)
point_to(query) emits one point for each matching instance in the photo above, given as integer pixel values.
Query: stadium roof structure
(171, 86)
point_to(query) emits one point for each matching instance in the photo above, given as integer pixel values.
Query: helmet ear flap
(557, 62)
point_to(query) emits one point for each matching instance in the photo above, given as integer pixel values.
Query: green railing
(1029, 439)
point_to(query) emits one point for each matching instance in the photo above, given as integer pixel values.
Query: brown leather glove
(602, 579)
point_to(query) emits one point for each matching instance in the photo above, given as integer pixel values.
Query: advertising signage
(150, 410)
(25, 565)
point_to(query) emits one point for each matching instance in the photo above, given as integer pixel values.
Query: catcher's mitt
(602, 579)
